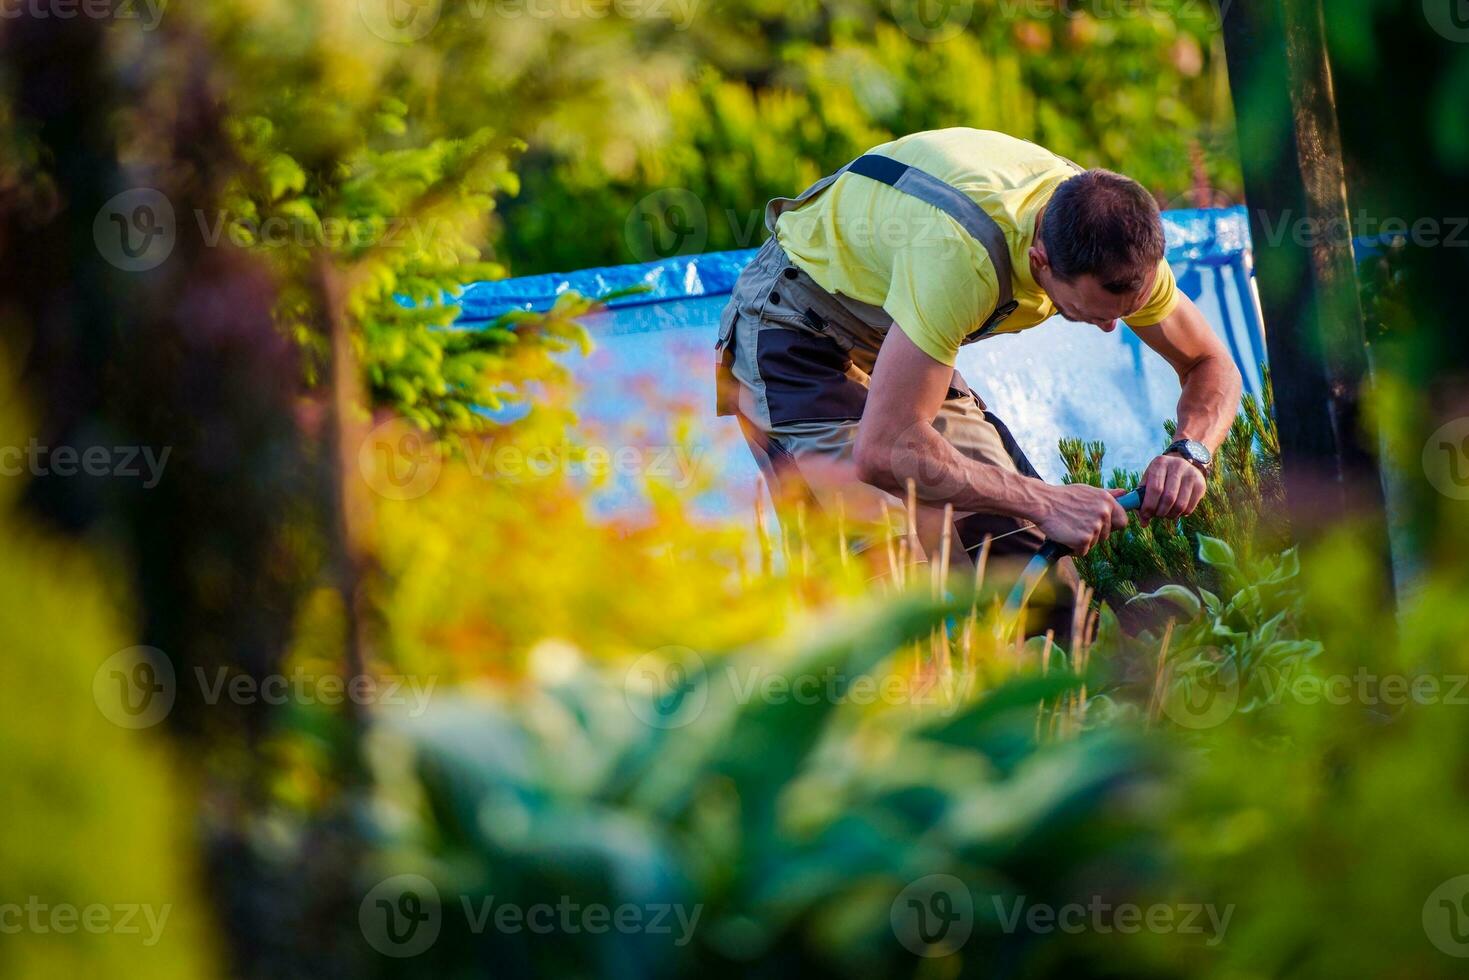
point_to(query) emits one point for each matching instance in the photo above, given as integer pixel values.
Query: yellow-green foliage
(755, 100)
(95, 814)
(488, 563)
(376, 164)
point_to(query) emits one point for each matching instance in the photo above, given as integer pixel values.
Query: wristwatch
(1193, 451)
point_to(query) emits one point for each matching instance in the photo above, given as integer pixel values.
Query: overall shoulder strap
(953, 202)
(930, 189)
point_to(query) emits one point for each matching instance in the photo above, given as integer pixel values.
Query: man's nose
(1106, 326)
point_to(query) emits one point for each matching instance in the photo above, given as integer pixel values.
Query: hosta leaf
(1176, 595)
(1289, 566)
(1269, 628)
(1292, 650)
(1215, 552)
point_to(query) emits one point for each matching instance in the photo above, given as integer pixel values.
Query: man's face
(1084, 299)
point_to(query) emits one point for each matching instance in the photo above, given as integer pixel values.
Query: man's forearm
(1209, 401)
(941, 474)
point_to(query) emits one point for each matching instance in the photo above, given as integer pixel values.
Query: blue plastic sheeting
(652, 367)
(677, 278)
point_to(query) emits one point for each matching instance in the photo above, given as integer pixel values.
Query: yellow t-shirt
(877, 244)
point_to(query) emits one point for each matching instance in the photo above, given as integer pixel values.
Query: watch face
(1193, 451)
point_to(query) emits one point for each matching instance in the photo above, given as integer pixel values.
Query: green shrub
(1243, 508)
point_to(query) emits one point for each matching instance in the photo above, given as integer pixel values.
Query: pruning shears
(1051, 552)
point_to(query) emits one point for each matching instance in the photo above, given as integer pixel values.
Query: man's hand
(1174, 488)
(1206, 406)
(1079, 516)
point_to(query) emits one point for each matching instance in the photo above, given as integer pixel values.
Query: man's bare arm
(896, 442)
(1211, 383)
(1207, 405)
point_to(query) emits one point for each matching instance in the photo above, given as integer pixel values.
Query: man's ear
(1038, 258)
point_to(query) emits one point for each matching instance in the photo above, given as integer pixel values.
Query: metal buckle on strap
(1001, 314)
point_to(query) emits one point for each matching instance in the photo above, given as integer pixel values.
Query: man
(839, 341)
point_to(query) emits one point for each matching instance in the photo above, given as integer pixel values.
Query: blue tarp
(654, 355)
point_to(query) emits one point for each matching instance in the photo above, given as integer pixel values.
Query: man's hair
(1103, 224)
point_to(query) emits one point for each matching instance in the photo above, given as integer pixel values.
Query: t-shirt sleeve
(1162, 302)
(937, 297)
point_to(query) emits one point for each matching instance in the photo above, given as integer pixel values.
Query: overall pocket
(805, 377)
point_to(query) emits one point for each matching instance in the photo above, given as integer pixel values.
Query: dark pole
(1290, 154)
